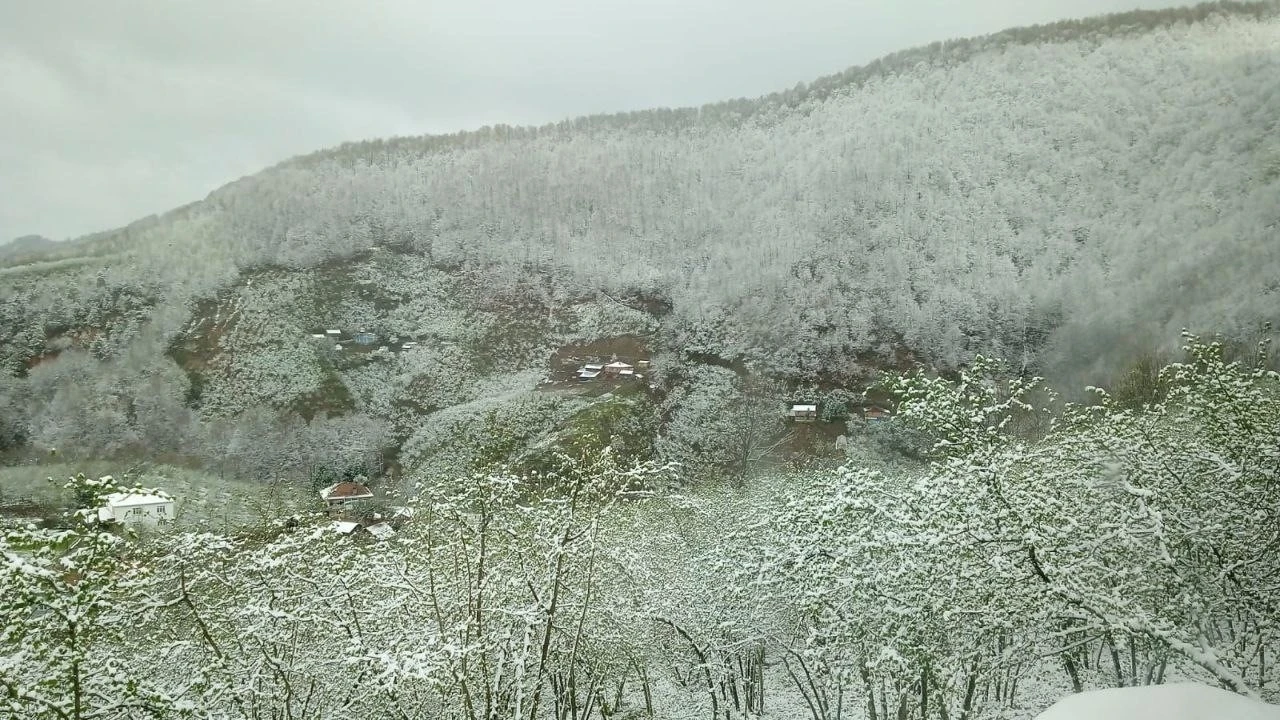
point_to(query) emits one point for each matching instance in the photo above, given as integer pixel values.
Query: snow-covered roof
(593, 366)
(128, 499)
(618, 365)
(588, 374)
(104, 514)
(317, 335)
(346, 491)
(627, 371)
(343, 527)
(381, 530)
(804, 408)
(333, 332)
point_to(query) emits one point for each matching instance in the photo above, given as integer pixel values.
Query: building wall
(143, 514)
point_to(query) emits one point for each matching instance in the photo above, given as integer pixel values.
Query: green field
(203, 499)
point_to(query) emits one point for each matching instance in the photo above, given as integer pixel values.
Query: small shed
(364, 338)
(318, 336)
(588, 374)
(333, 333)
(642, 364)
(627, 373)
(593, 367)
(381, 530)
(803, 413)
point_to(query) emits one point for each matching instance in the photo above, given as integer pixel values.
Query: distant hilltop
(26, 243)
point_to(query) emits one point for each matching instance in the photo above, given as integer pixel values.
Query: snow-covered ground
(1182, 701)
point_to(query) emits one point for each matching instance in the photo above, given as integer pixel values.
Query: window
(160, 510)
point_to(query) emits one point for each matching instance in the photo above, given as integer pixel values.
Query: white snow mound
(1183, 701)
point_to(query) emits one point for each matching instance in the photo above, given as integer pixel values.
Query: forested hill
(1065, 196)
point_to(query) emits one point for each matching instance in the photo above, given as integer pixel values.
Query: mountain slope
(1065, 196)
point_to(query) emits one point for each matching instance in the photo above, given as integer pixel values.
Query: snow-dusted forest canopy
(1076, 192)
(1118, 548)
(1065, 197)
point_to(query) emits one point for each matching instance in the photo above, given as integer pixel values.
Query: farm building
(803, 413)
(130, 508)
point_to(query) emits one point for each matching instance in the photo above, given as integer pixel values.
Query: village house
(338, 495)
(803, 413)
(130, 508)
(875, 413)
(615, 368)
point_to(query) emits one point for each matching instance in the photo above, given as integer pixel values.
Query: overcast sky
(111, 110)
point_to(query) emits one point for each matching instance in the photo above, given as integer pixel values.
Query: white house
(804, 413)
(129, 508)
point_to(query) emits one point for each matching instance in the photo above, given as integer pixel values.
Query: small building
(642, 364)
(616, 367)
(343, 527)
(381, 530)
(626, 373)
(803, 413)
(343, 493)
(137, 508)
(364, 338)
(333, 333)
(318, 336)
(876, 413)
(585, 374)
(593, 367)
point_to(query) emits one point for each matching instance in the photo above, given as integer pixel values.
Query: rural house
(875, 413)
(132, 508)
(340, 494)
(616, 367)
(803, 413)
